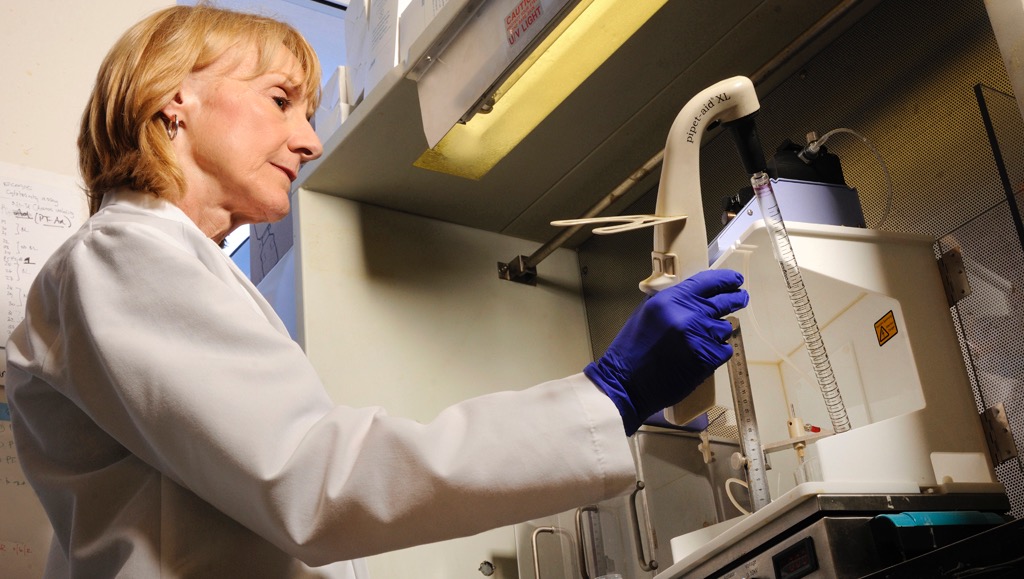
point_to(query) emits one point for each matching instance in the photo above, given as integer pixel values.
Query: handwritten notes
(38, 211)
(24, 530)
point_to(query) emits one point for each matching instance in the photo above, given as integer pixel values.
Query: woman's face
(245, 137)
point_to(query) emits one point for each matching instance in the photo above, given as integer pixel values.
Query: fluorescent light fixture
(581, 42)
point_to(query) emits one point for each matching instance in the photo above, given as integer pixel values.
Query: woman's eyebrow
(293, 85)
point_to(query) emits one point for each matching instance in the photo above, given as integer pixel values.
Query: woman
(172, 428)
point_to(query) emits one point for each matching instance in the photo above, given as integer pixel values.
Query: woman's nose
(305, 142)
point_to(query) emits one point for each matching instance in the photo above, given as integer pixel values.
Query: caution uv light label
(885, 328)
(519, 21)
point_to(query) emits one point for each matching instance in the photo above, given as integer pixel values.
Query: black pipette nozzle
(748, 144)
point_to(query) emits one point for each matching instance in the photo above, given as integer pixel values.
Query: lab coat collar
(127, 198)
(127, 201)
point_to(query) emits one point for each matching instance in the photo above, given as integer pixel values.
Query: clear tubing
(816, 145)
(783, 251)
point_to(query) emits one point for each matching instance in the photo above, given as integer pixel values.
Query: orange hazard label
(885, 328)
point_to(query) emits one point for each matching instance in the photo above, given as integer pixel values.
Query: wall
(408, 313)
(51, 50)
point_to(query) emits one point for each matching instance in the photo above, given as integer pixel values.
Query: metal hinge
(998, 434)
(954, 276)
(518, 271)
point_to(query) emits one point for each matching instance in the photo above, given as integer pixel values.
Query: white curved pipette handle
(681, 248)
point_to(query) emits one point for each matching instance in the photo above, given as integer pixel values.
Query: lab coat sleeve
(195, 381)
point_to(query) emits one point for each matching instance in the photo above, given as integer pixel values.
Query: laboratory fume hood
(595, 139)
(395, 263)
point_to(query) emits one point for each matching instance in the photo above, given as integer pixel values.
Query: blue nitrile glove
(670, 345)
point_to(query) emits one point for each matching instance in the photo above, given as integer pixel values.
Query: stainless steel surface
(842, 548)
(836, 522)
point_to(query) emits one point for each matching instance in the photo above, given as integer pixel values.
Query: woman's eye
(282, 102)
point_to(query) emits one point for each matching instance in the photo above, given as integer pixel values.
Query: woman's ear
(173, 115)
(173, 108)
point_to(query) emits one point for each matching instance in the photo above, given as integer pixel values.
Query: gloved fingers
(711, 282)
(721, 353)
(726, 303)
(719, 330)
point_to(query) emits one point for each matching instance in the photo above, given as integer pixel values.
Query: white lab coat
(172, 428)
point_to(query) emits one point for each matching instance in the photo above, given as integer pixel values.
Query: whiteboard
(38, 211)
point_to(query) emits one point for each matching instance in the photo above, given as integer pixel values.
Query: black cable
(979, 571)
(331, 4)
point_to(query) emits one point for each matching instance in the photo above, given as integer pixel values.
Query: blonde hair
(123, 140)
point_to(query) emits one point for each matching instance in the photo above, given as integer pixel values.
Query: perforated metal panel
(990, 319)
(904, 78)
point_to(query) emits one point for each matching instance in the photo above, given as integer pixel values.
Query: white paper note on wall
(38, 211)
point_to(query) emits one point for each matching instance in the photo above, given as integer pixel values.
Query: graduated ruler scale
(746, 421)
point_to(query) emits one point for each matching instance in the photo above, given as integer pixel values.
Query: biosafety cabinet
(399, 266)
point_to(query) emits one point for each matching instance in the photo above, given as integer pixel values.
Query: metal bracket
(517, 271)
(581, 539)
(451, 28)
(646, 565)
(998, 434)
(954, 276)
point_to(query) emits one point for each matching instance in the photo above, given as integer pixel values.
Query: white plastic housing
(879, 301)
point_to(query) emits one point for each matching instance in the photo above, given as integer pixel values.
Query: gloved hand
(670, 345)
